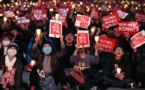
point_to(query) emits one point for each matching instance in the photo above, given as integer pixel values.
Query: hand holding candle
(32, 63)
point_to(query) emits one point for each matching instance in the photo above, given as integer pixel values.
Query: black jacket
(109, 68)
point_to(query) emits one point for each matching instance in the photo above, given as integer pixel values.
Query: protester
(81, 61)
(10, 63)
(33, 41)
(111, 75)
(69, 47)
(47, 61)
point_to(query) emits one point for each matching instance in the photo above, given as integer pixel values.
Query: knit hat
(13, 45)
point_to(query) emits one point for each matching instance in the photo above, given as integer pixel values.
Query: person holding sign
(117, 71)
(82, 62)
(36, 41)
(11, 67)
(139, 60)
(47, 63)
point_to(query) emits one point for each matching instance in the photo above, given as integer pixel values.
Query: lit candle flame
(38, 31)
(56, 16)
(96, 38)
(5, 19)
(118, 70)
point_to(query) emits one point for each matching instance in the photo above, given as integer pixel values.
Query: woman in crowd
(5, 41)
(47, 61)
(10, 69)
(82, 62)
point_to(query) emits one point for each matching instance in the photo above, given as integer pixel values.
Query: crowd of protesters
(56, 58)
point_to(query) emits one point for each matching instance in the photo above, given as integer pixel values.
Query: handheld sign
(127, 26)
(23, 20)
(140, 17)
(60, 18)
(94, 13)
(106, 44)
(55, 28)
(138, 39)
(82, 21)
(122, 14)
(62, 12)
(9, 13)
(83, 38)
(8, 76)
(39, 14)
(110, 20)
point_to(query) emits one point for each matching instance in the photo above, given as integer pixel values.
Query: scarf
(9, 64)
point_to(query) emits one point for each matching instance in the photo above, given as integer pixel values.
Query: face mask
(47, 50)
(6, 43)
(12, 52)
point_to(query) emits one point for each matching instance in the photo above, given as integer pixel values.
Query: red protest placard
(138, 39)
(106, 44)
(140, 17)
(82, 21)
(110, 20)
(127, 26)
(60, 18)
(9, 13)
(62, 12)
(39, 14)
(23, 20)
(95, 13)
(55, 28)
(83, 38)
(8, 76)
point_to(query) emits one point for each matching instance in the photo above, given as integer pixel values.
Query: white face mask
(12, 52)
(6, 43)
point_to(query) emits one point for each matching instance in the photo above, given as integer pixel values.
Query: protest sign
(82, 21)
(138, 39)
(55, 28)
(127, 26)
(83, 38)
(106, 44)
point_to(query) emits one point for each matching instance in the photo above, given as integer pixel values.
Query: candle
(33, 62)
(1, 15)
(56, 16)
(118, 70)
(38, 31)
(81, 3)
(5, 19)
(16, 17)
(96, 38)
(73, 6)
(92, 29)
